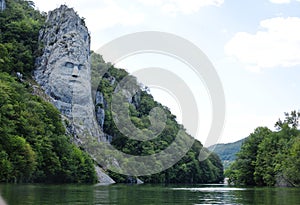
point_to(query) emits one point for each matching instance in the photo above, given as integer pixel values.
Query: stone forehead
(72, 45)
(65, 38)
(64, 23)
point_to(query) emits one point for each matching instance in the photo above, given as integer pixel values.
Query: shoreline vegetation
(269, 158)
(36, 148)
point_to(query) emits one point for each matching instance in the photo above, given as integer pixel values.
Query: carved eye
(69, 65)
(80, 66)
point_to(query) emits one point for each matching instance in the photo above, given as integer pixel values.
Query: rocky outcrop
(282, 181)
(100, 112)
(2, 5)
(63, 70)
(103, 178)
(64, 73)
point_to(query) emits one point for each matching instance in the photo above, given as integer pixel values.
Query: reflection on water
(146, 194)
(2, 202)
(212, 189)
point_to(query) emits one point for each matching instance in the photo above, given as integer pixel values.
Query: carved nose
(75, 73)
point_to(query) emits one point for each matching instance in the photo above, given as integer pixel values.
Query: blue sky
(254, 46)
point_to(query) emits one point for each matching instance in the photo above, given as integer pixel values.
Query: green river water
(146, 194)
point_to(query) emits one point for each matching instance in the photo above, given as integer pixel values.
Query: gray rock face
(109, 138)
(103, 178)
(282, 181)
(64, 72)
(2, 5)
(99, 98)
(100, 112)
(64, 69)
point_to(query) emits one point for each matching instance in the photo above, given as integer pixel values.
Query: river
(145, 194)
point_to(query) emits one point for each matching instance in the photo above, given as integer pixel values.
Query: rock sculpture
(64, 72)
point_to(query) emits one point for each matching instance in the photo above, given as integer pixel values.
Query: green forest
(188, 169)
(227, 152)
(34, 146)
(270, 158)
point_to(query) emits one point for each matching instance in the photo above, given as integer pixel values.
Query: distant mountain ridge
(227, 151)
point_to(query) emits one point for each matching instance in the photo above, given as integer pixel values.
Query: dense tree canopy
(33, 145)
(270, 158)
(19, 29)
(189, 169)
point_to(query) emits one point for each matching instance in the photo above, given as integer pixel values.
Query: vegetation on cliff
(270, 157)
(33, 144)
(19, 28)
(189, 169)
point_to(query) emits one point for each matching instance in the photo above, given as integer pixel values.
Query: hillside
(39, 142)
(227, 152)
(186, 170)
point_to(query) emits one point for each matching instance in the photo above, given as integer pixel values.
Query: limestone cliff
(64, 72)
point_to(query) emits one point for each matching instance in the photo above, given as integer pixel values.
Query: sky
(254, 46)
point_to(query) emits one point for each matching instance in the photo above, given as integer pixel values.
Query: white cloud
(99, 15)
(173, 7)
(277, 43)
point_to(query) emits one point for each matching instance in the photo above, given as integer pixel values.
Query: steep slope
(33, 126)
(139, 104)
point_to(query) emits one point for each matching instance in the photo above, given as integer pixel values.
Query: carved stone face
(69, 81)
(64, 70)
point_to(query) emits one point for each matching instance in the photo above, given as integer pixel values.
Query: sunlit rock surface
(64, 69)
(64, 72)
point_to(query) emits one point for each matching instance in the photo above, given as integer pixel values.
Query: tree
(291, 119)
(269, 158)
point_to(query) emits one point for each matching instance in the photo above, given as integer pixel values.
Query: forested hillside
(270, 157)
(227, 152)
(34, 146)
(188, 169)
